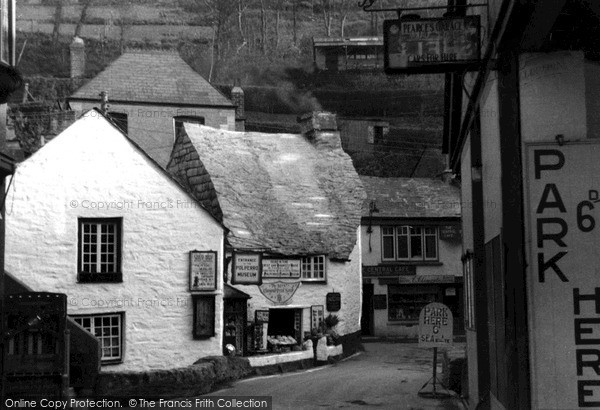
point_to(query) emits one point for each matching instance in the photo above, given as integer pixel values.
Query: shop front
(397, 302)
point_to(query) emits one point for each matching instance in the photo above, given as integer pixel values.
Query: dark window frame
(409, 236)
(120, 119)
(100, 277)
(121, 314)
(178, 121)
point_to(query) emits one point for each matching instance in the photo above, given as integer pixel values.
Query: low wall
(200, 378)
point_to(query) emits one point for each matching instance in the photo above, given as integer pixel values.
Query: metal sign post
(435, 330)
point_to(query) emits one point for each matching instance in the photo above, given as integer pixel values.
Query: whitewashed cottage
(91, 215)
(292, 204)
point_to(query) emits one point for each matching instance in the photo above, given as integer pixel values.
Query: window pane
(388, 247)
(402, 247)
(430, 247)
(415, 246)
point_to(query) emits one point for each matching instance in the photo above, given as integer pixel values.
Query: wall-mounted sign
(431, 45)
(333, 301)
(280, 268)
(435, 326)
(279, 292)
(246, 269)
(204, 316)
(410, 280)
(451, 233)
(379, 302)
(317, 315)
(389, 270)
(203, 270)
(563, 273)
(261, 316)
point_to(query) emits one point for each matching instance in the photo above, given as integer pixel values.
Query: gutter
(506, 12)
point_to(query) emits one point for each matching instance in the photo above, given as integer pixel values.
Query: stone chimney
(237, 98)
(77, 48)
(321, 129)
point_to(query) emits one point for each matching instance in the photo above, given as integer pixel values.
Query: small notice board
(333, 301)
(203, 270)
(435, 326)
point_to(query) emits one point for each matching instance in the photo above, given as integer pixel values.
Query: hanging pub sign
(246, 269)
(333, 301)
(431, 45)
(279, 292)
(280, 268)
(203, 270)
(435, 326)
(562, 231)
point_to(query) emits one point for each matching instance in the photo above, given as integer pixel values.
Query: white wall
(449, 256)
(89, 166)
(342, 277)
(151, 126)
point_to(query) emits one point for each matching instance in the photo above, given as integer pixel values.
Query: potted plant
(331, 321)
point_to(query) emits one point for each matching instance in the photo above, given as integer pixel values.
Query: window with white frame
(99, 250)
(108, 328)
(313, 268)
(409, 243)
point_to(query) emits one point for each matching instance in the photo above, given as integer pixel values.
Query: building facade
(354, 53)
(92, 216)
(292, 205)
(525, 145)
(411, 253)
(151, 94)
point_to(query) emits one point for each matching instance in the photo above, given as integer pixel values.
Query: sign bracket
(367, 6)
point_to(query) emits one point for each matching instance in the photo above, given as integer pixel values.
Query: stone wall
(201, 378)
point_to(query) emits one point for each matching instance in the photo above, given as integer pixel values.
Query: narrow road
(385, 376)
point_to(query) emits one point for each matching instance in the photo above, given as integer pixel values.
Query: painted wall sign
(563, 273)
(246, 269)
(450, 233)
(203, 270)
(317, 315)
(435, 326)
(333, 301)
(430, 44)
(261, 316)
(279, 292)
(389, 270)
(379, 302)
(281, 268)
(409, 280)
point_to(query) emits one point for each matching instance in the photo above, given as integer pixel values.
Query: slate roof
(160, 77)
(411, 198)
(281, 193)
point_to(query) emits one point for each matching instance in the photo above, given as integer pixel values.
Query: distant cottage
(411, 253)
(291, 202)
(151, 94)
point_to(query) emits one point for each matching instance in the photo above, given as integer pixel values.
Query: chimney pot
(77, 49)
(320, 127)
(237, 98)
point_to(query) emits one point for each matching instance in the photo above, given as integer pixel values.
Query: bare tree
(344, 7)
(58, 14)
(82, 17)
(328, 11)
